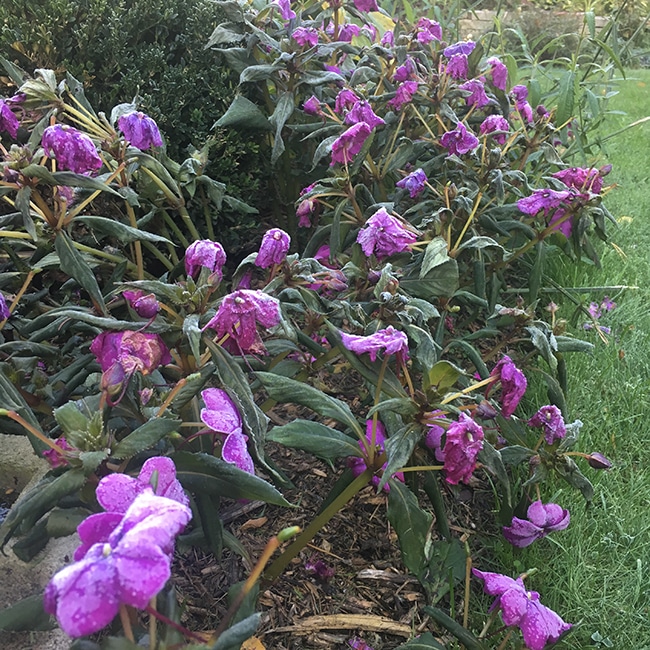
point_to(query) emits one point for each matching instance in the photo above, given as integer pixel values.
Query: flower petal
(235, 451)
(116, 492)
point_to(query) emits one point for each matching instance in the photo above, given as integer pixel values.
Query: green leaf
(70, 418)
(316, 439)
(435, 254)
(544, 340)
(492, 461)
(479, 243)
(69, 179)
(400, 405)
(73, 263)
(255, 73)
(569, 344)
(26, 615)
(193, 333)
(399, 448)
(208, 506)
(283, 111)
(566, 98)
(22, 203)
(462, 634)
(144, 437)
(125, 234)
(443, 376)
(515, 454)
(234, 636)
(571, 473)
(425, 641)
(285, 390)
(195, 383)
(64, 521)
(91, 460)
(223, 34)
(204, 473)
(12, 400)
(411, 525)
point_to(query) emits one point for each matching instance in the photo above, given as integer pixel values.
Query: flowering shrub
(419, 221)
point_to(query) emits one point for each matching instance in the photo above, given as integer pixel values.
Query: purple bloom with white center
(362, 112)
(405, 71)
(493, 123)
(428, 30)
(72, 149)
(273, 249)
(542, 520)
(513, 384)
(286, 11)
(4, 309)
(499, 72)
(477, 96)
(550, 419)
(8, 120)
(581, 178)
(545, 199)
(345, 100)
(358, 465)
(144, 304)
(222, 416)
(415, 182)
(459, 140)
(384, 235)
(312, 106)
(403, 94)
(457, 67)
(205, 253)
(462, 47)
(539, 624)
(140, 130)
(238, 315)
(366, 5)
(305, 36)
(128, 564)
(463, 442)
(349, 143)
(388, 340)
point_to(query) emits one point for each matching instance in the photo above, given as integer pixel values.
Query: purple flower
(273, 249)
(607, 304)
(132, 351)
(499, 73)
(428, 30)
(405, 71)
(358, 465)
(390, 340)
(520, 93)
(205, 253)
(221, 415)
(349, 143)
(539, 624)
(513, 384)
(542, 200)
(238, 316)
(320, 569)
(331, 282)
(362, 112)
(462, 47)
(306, 207)
(285, 9)
(494, 123)
(477, 94)
(128, 564)
(305, 36)
(140, 130)
(55, 459)
(312, 106)
(550, 419)
(459, 141)
(72, 149)
(388, 39)
(384, 235)
(457, 67)
(323, 255)
(4, 309)
(345, 100)
(414, 182)
(348, 31)
(433, 441)
(582, 179)
(8, 120)
(463, 442)
(144, 304)
(366, 5)
(403, 94)
(359, 644)
(595, 460)
(542, 520)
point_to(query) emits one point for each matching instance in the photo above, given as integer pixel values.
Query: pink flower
(499, 72)
(459, 141)
(428, 30)
(458, 67)
(349, 143)
(462, 47)
(390, 340)
(403, 94)
(205, 253)
(415, 183)
(513, 384)
(542, 520)
(362, 112)
(133, 351)
(477, 96)
(305, 36)
(140, 130)
(285, 9)
(406, 71)
(312, 106)
(545, 199)
(54, 458)
(366, 5)
(463, 442)
(384, 235)
(582, 179)
(273, 249)
(549, 418)
(72, 149)
(8, 120)
(494, 123)
(345, 100)
(144, 304)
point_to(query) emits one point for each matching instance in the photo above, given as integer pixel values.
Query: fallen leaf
(253, 644)
(254, 523)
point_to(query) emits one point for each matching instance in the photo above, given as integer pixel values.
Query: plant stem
(19, 295)
(469, 389)
(42, 437)
(126, 623)
(152, 625)
(179, 628)
(317, 523)
(137, 246)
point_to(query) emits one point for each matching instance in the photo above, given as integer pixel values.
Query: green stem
(175, 229)
(317, 523)
(158, 255)
(185, 215)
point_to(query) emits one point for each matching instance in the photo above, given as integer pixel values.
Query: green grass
(597, 572)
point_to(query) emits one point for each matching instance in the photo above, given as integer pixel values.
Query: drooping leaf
(399, 448)
(315, 438)
(435, 254)
(120, 231)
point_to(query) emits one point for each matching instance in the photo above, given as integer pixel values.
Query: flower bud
(598, 461)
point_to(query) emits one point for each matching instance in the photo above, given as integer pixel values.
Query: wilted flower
(459, 141)
(4, 309)
(285, 9)
(366, 5)
(388, 39)
(221, 415)
(273, 249)
(55, 459)
(462, 47)
(494, 123)
(433, 440)
(520, 94)
(348, 31)
(362, 112)
(384, 235)
(477, 96)
(543, 200)
(331, 281)
(583, 179)
(8, 120)
(144, 304)
(499, 73)
(358, 465)
(598, 461)
(345, 100)
(403, 94)
(457, 67)
(405, 71)
(428, 30)
(542, 520)
(550, 419)
(320, 569)
(140, 130)
(390, 340)
(127, 563)
(463, 442)
(349, 143)
(306, 207)
(539, 624)
(359, 644)
(238, 316)
(312, 106)
(205, 253)
(513, 384)
(72, 149)
(305, 36)
(414, 182)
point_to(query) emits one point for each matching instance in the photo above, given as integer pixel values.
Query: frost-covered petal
(273, 249)
(541, 625)
(496, 584)
(522, 533)
(220, 413)
(514, 605)
(235, 451)
(116, 492)
(167, 485)
(96, 529)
